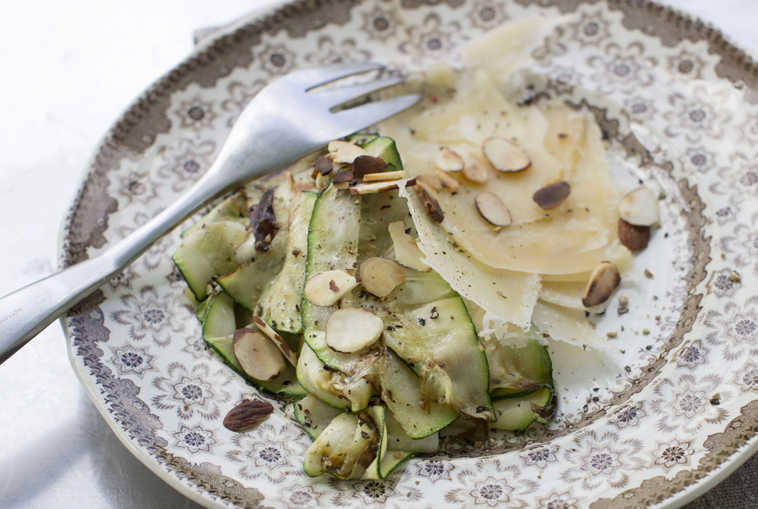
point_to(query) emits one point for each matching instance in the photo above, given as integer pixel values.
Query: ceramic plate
(673, 410)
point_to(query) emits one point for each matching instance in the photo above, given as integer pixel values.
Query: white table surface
(68, 70)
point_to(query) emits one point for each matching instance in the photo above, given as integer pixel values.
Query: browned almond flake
(257, 355)
(604, 279)
(430, 181)
(383, 176)
(432, 205)
(447, 182)
(263, 221)
(505, 155)
(449, 160)
(639, 207)
(326, 288)
(492, 209)
(277, 339)
(551, 196)
(368, 164)
(247, 414)
(475, 172)
(648, 274)
(379, 276)
(351, 329)
(634, 238)
(439, 181)
(344, 151)
(324, 165)
(343, 176)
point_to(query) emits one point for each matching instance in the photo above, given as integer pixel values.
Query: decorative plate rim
(134, 111)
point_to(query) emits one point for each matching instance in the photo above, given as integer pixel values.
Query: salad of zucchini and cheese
(401, 281)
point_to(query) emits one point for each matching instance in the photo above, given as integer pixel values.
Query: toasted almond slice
(430, 181)
(258, 357)
(448, 160)
(350, 330)
(379, 276)
(639, 207)
(492, 209)
(378, 187)
(344, 152)
(326, 288)
(432, 204)
(438, 181)
(407, 252)
(383, 176)
(634, 238)
(368, 164)
(475, 172)
(278, 340)
(343, 177)
(323, 165)
(505, 155)
(447, 182)
(604, 279)
(551, 196)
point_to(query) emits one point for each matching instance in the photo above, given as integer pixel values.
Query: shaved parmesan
(566, 325)
(561, 143)
(510, 296)
(565, 294)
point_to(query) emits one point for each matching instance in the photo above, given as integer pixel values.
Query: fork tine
(317, 76)
(337, 96)
(368, 114)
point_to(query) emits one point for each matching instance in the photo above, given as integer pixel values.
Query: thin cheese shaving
(510, 296)
(567, 325)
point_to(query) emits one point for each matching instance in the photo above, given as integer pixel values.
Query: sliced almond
(344, 152)
(475, 172)
(551, 196)
(258, 357)
(492, 209)
(438, 181)
(323, 165)
(368, 164)
(634, 238)
(343, 177)
(383, 176)
(379, 276)
(379, 187)
(350, 330)
(406, 250)
(277, 339)
(326, 288)
(447, 181)
(432, 205)
(604, 279)
(449, 160)
(430, 181)
(505, 155)
(639, 207)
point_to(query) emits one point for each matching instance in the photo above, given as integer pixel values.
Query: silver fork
(285, 121)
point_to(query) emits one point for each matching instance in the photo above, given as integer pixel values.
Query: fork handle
(28, 310)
